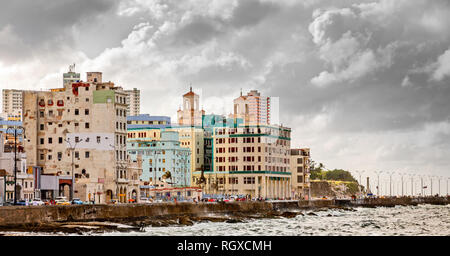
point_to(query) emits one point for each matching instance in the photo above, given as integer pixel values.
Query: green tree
(339, 174)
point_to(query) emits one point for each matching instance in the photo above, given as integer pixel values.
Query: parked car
(37, 201)
(77, 201)
(8, 203)
(21, 202)
(61, 200)
(146, 200)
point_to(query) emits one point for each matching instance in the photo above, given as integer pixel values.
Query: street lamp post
(439, 185)
(16, 128)
(390, 182)
(378, 182)
(72, 149)
(401, 174)
(359, 185)
(431, 181)
(421, 183)
(412, 185)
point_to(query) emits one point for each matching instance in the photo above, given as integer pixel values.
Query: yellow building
(249, 160)
(300, 163)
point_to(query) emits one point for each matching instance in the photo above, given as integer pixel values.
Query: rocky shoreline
(139, 224)
(97, 219)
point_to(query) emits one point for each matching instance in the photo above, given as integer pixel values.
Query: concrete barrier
(20, 215)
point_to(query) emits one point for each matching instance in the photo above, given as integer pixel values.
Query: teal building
(162, 159)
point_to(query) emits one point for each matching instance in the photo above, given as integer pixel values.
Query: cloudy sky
(364, 84)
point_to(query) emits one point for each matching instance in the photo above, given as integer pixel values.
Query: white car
(37, 201)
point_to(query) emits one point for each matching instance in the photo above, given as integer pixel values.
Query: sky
(364, 84)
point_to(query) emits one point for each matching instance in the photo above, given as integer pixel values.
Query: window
(98, 139)
(41, 156)
(77, 112)
(49, 157)
(86, 154)
(60, 140)
(86, 111)
(300, 179)
(86, 125)
(41, 127)
(42, 142)
(59, 156)
(50, 140)
(77, 139)
(41, 113)
(77, 154)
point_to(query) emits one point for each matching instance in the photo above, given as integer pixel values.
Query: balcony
(122, 180)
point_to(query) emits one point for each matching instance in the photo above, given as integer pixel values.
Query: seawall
(23, 215)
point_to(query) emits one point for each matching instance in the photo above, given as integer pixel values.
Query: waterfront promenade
(76, 218)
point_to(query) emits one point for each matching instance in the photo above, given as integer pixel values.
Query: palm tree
(167, 175)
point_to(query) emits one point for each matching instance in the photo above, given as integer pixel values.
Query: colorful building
(78, 134)
(163, 160)
(249, 160)
(148, 121)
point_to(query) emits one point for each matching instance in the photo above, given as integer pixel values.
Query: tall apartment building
(133, 101)
(256, 109)
(12, 104)
(80, 127)
(249, 160)
(300, 168)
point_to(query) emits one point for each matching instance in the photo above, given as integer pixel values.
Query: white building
(77, 134)
(133, 101)
(12, 104)
(256, 109)
(25, 186)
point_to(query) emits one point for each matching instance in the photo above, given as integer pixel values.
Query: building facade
(25, 185)
(249, 160)
(133, 101)
(300, 168)
(256, 109)
(148, 121)
(12, 104)
(163, 160)
(78, 132)
(190, 114)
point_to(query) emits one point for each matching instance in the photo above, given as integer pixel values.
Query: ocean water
(421, 220)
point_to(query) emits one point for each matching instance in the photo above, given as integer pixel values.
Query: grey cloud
(196, 32)
(251, 12)
(45, 24)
